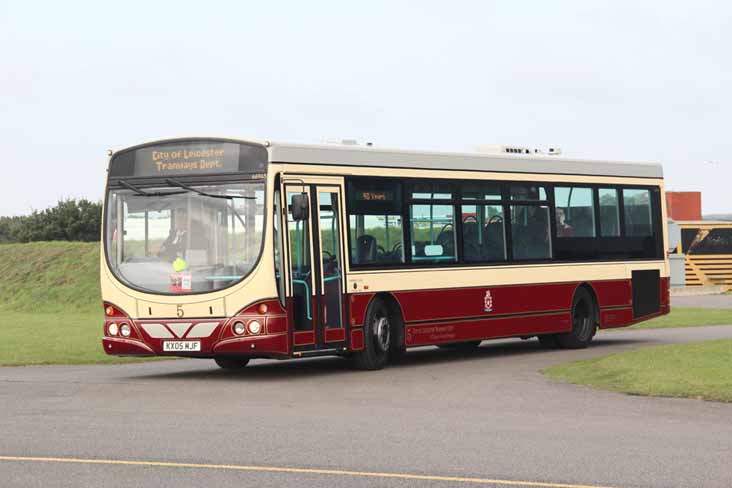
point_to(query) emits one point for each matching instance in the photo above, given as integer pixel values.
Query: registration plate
(181, 346)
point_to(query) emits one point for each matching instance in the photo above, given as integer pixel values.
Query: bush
(69, 220)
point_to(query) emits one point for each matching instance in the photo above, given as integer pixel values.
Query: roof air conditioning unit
(501, 149)
(340, 142)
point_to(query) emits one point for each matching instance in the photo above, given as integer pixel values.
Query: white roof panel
(397, 158)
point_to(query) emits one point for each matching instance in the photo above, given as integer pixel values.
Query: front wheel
(378, 337)
(231, 364)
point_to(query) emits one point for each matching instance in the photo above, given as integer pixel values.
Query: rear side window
(637, 212)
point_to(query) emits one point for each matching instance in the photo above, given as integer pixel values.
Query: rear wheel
(584, 323)
(462, 346)
(231, 364)
(378, 336)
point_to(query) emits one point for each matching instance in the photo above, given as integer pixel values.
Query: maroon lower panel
(613, 293)
(253, 345)
(665, 290)
(455, 303)
(335, 335)
(357, 339)
(463, 314)
(303, 338)
(417, 335)
(125, 347)
(359, 303)
(619, 317)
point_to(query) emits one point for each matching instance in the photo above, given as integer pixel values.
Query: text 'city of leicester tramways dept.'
(188, 159)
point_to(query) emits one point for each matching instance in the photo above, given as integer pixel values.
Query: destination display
(382, 196)
(189, 158)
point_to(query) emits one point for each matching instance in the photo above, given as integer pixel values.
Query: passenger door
(316, 251)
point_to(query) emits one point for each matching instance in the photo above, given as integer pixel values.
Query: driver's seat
(366, 249)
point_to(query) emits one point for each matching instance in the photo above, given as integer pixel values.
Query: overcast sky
(635, 80)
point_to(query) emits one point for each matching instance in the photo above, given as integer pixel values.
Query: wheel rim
(382, 333)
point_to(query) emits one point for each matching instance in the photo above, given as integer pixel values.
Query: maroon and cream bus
(232, 250)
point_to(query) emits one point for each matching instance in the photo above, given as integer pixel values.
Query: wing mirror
(300, 206)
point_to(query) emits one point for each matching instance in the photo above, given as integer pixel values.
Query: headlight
(113, 329)
(125, 330)
(254, 327)
(239, 328)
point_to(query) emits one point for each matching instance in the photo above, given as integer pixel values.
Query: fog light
(125, 330)
(254, 327)
(239, 328)
(113, 329)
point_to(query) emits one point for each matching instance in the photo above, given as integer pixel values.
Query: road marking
(275, 469)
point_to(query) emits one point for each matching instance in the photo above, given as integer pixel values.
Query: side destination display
(189, 158)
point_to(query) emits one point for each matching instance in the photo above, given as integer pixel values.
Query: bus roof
(353, 155)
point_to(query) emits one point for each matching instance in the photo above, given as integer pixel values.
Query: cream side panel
(425, 279)
(479, 175)
(258, 285)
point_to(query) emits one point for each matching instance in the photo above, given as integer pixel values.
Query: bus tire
(460, 346)
(377, 339)
(584, 323)
(231, 364)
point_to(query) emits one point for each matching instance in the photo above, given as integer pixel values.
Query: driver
(185, 234)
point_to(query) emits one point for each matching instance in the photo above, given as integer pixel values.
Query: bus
(231, 249)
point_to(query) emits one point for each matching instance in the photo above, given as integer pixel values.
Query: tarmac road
(476, 417)
(702, 301)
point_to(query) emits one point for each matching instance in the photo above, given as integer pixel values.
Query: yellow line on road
(275, 469)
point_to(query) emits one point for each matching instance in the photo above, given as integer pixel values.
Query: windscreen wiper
(177, 183)
(144, 193)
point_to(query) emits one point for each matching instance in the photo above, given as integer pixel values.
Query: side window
(609, 212)
(433, 233)
(575, 211)
(484, 234)
(530, 223)
(637, 212)
(432, 222)
(375, 221)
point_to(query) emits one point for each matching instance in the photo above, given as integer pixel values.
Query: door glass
(331, 258)
(300, 268)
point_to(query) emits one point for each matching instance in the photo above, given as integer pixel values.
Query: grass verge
(688, 317)
(700, 370)
(44, 338)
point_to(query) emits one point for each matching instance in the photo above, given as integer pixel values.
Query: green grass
(45, 338)
(688, 317)
(50, 277)
(700, 370)
(50, 305)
